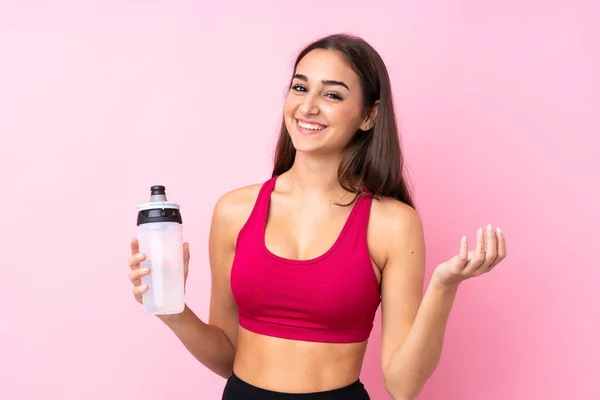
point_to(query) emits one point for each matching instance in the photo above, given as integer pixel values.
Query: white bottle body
(162, 243)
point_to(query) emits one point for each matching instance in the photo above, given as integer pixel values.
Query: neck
(316, 175)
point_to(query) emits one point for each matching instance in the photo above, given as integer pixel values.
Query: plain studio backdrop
(498, 109)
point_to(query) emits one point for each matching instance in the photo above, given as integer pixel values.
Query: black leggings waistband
(237, 389)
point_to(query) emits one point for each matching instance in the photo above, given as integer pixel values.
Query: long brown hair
(372, 159)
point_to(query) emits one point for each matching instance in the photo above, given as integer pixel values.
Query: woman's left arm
(414, 324)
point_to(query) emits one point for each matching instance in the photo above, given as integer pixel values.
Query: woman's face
(324, 108)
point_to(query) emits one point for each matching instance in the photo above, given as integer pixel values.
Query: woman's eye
(299, 88)
(334, 96)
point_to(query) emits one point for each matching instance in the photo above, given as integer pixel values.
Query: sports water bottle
(160, 237)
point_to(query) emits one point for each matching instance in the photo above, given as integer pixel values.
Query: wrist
(172, 318)
(443, 285)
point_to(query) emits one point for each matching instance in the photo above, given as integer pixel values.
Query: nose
(310, 105)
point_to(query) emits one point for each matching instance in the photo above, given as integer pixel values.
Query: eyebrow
(325, 82)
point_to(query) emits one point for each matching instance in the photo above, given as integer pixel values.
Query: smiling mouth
(309, 127)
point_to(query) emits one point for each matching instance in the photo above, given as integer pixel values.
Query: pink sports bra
(331, 298)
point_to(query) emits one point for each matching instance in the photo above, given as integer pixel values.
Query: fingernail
(463, 239)
(140, 256)
(489, 227)
(145, 270)
(498, 229)
(480, 231)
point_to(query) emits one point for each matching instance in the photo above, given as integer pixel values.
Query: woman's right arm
(214, 343)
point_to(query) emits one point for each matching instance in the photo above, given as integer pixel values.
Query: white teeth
(312, 127)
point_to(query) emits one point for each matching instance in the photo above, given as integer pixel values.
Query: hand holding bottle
(136, 272)
(158, 266)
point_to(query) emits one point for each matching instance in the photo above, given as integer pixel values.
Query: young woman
(301, 262)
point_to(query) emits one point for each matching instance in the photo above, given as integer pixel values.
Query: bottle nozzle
(157, 193)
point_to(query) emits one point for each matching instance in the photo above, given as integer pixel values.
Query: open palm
(489, 251)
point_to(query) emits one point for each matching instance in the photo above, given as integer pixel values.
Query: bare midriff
(292, 366)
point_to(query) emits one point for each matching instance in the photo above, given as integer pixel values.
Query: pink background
(498, 105)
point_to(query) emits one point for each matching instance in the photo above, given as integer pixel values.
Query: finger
(138, 291)
(491, 251)
(186, 253)
(135, 246)
(478, 256)
(135, 275)
(463, 253)
(501, 247)
(134, 261)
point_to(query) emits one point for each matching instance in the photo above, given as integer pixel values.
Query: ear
(369, 121)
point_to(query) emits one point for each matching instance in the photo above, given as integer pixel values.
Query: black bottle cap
(158, 209)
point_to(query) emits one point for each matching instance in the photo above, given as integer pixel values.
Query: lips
(309, 128)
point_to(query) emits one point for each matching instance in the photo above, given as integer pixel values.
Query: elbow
(225, 373)
(223, 366)
(399, 390)
(224, 369)
(399, 394)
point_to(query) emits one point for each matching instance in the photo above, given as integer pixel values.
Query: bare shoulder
(393, 227)
(233, 208)
(393, 216)
(238, 200)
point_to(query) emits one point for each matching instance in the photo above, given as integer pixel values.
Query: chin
(313, 147)
(306, 146)
(306, 143)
